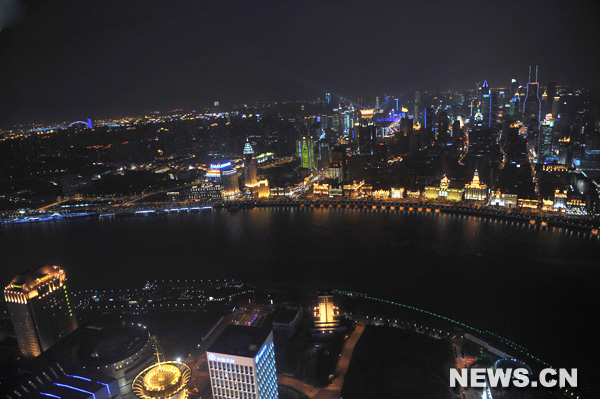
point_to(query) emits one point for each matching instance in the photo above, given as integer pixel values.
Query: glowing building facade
(55, 382)
(367, 132)
(163, 380)
(503, 199)
(396, 192)
(326, 316)
(306, 152)
(263, 189)
(560, 200)
(39, 307)
(476, 190)
(443, 191)
(241, 364)
(227, 176)
(250, 165)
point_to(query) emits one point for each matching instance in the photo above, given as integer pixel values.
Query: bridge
(87, 124)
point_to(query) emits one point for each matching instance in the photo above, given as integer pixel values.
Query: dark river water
(536, 286)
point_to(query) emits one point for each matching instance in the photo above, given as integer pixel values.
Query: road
(197, 359)
(333, 390)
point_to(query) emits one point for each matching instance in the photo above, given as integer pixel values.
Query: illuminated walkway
(510, 344)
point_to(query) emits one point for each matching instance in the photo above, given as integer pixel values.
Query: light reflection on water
(527, 283)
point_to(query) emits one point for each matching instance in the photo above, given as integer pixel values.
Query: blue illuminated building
(242, 364)
(55, 382)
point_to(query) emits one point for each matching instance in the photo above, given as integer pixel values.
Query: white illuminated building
(241, 364)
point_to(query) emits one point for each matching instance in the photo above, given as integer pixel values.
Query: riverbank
(584, 225)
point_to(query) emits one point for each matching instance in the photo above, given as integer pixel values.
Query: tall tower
(241, 363)
(532, 106)
(306, 151)
(250, 165)
(39, 307)
(486, 104)
(417, 117)
(367, 132)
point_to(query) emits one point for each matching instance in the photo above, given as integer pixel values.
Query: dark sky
(70, 59)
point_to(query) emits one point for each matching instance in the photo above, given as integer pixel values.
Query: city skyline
(108, 60)
(313, 199)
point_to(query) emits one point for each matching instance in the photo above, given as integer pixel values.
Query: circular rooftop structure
(164, 380)
(112, 345)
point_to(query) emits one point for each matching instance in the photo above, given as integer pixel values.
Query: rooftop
(286, 316)
(242, 341)
(31, 278)
(111, 345)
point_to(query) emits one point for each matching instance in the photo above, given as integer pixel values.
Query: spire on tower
(248, 150)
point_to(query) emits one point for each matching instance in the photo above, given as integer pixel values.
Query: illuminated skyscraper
(532, 106)
(250, 165)
(367, 132)
(306, 152)
(545, 153)
(231, 184)
(486, 105)
(241, 363)
(417, 117)
(39, 307)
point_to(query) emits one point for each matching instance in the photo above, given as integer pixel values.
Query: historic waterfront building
(476, 190)
(443, 191)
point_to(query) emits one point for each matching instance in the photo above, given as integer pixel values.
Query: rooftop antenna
(154, 340)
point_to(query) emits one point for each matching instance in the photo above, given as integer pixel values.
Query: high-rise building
(457, 133)
(250, 165)
(487, 110)
(367, 132)
(326, 315)
(324, 153)
(551, 94)
(39, 308)
(417, 117)
(241, 364)
(231, 183)
(545, 153)
(306, 152)
(532, 106)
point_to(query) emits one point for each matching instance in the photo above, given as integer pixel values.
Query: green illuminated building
(306, 152)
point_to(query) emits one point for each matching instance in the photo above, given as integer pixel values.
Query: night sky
(71, 59)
